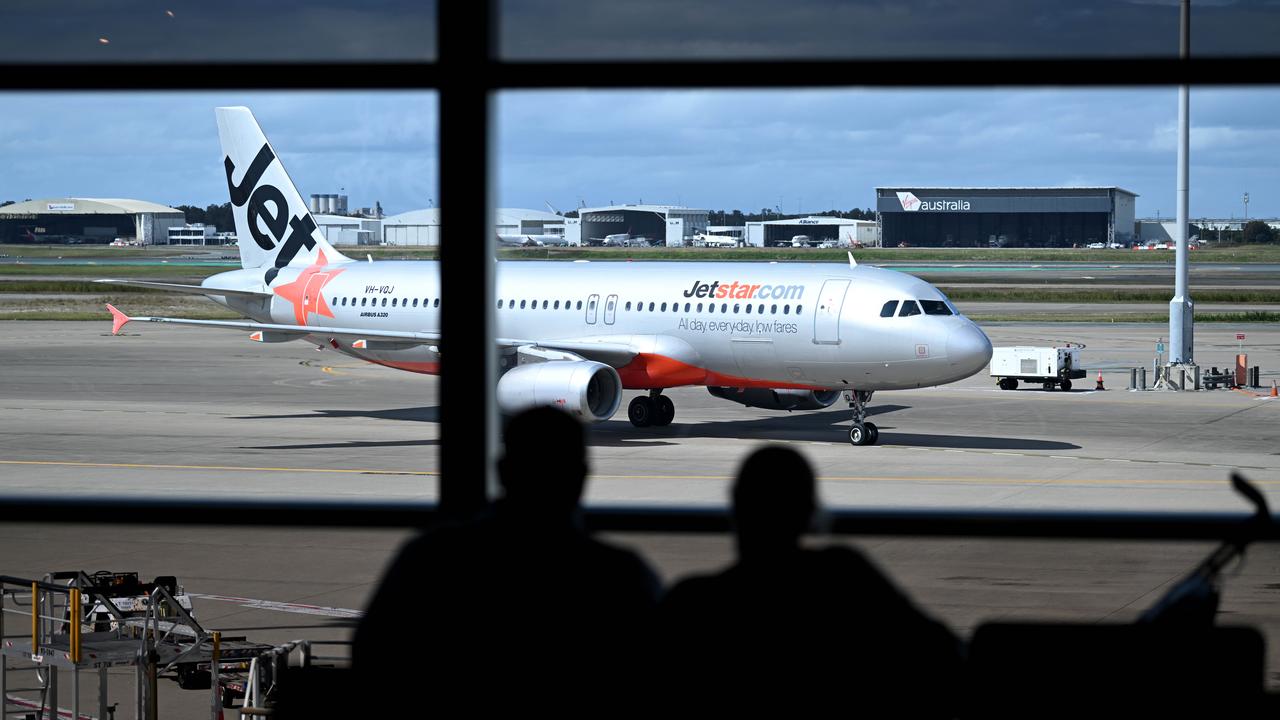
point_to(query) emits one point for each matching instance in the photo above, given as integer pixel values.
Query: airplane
(790, 336)
(532, 240)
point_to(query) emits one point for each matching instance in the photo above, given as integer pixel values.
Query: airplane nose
(968, 348)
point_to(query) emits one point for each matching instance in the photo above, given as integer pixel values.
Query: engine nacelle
(589, 390)
(777, 398)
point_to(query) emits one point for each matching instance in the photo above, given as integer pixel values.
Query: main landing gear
(862, 432)
(652, 409)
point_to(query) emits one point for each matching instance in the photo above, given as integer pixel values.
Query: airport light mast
(1181, 307)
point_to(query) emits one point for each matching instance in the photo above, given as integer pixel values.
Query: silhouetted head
(774, 501)
(544, 466)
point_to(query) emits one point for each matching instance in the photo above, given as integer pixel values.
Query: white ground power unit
(1052, 367)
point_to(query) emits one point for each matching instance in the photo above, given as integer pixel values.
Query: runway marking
(224, 468)
(289, 607)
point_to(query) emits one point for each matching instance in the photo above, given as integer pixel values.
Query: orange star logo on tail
(305, 292)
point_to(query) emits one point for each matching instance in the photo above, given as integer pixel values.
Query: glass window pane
(821, 29)
(209, 414)
(233, 31)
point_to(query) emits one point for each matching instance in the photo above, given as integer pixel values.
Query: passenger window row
(655, 307)
(533, 305)
(395, 302)
(910, 307)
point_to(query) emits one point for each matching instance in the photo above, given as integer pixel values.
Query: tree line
(218, 216)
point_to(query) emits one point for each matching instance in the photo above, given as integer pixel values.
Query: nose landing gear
(862, 432)
(652, 409)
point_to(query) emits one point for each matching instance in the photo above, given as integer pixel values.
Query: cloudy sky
(540, 29)
(798, 150)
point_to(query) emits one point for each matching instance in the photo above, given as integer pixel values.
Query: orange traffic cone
(1099, 381)
(1274, 392)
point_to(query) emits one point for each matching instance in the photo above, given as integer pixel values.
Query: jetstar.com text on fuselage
(744, 291)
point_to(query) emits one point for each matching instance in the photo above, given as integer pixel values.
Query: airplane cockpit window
(909, 307)
(935, 307)
(889, 309)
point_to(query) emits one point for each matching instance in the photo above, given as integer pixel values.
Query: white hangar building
(658, 224)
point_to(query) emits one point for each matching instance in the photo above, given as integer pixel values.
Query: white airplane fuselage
(792, 325)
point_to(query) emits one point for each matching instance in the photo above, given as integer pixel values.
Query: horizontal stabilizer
(189, 289)
(272, 336)
(366, 344)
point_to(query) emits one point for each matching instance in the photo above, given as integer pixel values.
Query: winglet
(118, 319)
(852, 263)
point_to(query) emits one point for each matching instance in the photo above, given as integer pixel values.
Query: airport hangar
(422, 227)
(659, 224)
(844, 232)
(1005, 216)
(87, 220)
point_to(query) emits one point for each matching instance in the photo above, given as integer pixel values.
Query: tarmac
(184, 412)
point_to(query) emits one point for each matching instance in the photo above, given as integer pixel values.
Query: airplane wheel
(873, 433)
(666, 411)
(641, 411)
(858, 434)
(1066, 385)
(1048, 386)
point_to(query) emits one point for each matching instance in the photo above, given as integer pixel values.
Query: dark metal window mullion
(467, 418)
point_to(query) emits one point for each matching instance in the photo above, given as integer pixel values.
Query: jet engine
(777, 398)
(589, 390)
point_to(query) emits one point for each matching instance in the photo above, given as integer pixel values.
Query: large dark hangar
(1005, 217)
(87, 220)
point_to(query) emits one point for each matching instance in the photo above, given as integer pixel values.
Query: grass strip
(1104, 295)
(1244, 317)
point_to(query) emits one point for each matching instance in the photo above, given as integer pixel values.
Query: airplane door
(826, 317)
(610, 306)
(592, 302)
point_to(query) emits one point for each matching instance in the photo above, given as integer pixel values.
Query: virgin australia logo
(911, 203)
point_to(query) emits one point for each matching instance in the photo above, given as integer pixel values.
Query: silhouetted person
(820, 627)
(518, 606)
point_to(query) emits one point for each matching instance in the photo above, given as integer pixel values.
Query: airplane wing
(275, 332)
(189, 289)
(609, 353)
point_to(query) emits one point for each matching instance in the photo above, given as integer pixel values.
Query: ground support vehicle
(1051, 367)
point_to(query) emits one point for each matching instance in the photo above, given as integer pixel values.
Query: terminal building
(87, 220)
(652, 224)
(1005, 217)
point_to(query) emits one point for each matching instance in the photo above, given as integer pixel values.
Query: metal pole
(1181, 308)
(52, 696)
(214, 680)
(102, 694)
(4, 662)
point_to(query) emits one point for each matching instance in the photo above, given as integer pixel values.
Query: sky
(364, 30)
(800, 151)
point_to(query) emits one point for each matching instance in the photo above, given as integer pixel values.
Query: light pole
(1246, 208)
(1181, 307)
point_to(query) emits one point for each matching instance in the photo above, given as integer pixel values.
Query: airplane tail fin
(273, 225)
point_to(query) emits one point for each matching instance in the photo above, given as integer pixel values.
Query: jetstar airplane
(790, 336)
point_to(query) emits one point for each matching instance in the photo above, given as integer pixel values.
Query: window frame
(466, 74)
